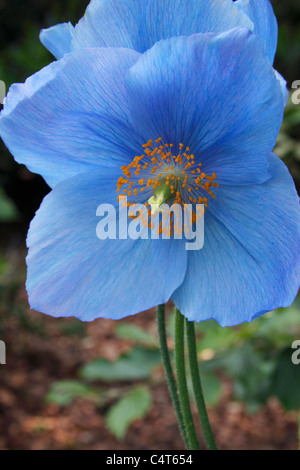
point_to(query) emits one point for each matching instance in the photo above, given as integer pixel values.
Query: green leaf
(282, 325)
(134, 333)
(211, 388)
(8, 211)
(214, 337)
(136, 365)
(250, 371)
(63, 392)
(3, 264)
(132, 406)
(286, 380)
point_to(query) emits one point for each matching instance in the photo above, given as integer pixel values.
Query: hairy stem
(182, 384)
(197, 386)
(169, 371)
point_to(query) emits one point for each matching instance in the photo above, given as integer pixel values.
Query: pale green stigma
(158, 201)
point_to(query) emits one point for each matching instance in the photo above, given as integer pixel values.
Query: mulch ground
(38, 353)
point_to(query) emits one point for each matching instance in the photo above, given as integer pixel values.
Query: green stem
(169, 371)
(198, 391)
(182, 384)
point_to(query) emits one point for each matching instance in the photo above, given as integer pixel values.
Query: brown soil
(38, 353)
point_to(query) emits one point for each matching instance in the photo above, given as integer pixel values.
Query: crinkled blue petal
(73, 273)
(283, 84)
(140, 24)
(217, 94)
(72, 116)
(57, 39)
(265, 23)
(250, 260)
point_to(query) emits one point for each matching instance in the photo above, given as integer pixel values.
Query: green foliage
(8, 210)
(17, 62)
(257, 357)
(288, 51)
(3, 266)
(250, 373)
(22, 54)
(212, 388)
(288, 141)
(63, 392)
(134, 405)
(125, 404)
(76, 328)
(134, 333)
(280, 327)
(286, 381)
(135, 365)
(213, 335)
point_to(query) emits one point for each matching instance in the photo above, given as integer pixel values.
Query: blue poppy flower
(140, 24)
(82, 123)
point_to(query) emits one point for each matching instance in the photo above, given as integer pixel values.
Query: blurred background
(69, 385)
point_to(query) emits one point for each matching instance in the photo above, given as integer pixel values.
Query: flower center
(161, 197)
(161, 176)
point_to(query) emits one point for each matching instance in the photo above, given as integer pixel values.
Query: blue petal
(72, 116)
(284, 89)
(217, 94)
(250, 262)
(73, 273)
(265, 23)
(57, 39)
(140, 24)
